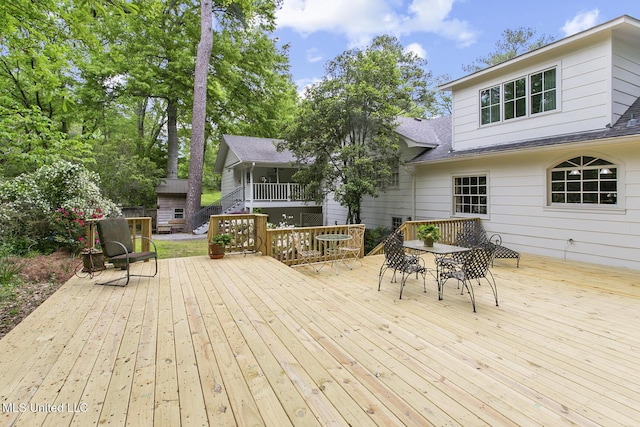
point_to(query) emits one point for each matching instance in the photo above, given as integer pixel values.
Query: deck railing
(140, 227)
(448, 230)
(280, 243)
(249, 233)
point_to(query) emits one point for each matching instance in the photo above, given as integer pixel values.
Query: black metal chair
(117, 245)
(396, 259)
(469, 266)
(473, 234)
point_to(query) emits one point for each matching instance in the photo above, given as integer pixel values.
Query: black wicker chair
(396, 259)
(469, 266)
(117, 245)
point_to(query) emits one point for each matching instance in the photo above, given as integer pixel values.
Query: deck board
(247, 340)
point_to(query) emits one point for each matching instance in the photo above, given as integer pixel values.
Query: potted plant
(217, 245)
(429, 234)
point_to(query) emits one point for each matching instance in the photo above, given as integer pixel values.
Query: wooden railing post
(260, 227)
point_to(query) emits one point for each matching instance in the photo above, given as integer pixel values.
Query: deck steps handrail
(218, 207)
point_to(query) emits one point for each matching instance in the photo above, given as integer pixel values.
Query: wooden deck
(248, 341)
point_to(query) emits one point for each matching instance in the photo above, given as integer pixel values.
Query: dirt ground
(41, 276)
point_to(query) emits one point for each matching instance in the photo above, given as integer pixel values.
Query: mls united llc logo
(44, 407)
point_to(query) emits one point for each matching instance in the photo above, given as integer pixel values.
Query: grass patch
(181, 248)
(209, 196)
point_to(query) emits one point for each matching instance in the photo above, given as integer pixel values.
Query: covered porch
(247, 340)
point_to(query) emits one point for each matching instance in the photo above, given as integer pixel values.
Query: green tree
(514, 42)
(344, 135)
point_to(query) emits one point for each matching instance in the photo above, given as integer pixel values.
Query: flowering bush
(69, 228)
(48, 208)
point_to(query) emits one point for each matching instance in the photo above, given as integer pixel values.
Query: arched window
(584, 180)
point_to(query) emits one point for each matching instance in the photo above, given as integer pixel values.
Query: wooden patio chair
(396, 259)
(469, 266)
(353, 248)
(117, 246)
(306, 255)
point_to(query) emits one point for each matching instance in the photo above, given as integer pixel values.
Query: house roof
(627, 125)
(250, 149)
(172, 186)
(424, 132)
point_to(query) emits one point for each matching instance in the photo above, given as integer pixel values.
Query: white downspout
(253, 165)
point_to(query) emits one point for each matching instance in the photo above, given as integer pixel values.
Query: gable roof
(627, 125)
(172, 186)
(424, 132)
(251, 149)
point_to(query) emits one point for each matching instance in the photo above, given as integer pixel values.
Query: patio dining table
(331, 241)
(438, 250)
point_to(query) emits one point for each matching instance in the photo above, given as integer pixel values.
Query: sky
(447, 33)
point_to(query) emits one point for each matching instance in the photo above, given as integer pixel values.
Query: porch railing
(281, 192)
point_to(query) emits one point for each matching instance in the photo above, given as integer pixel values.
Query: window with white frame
(490, 105)
(584, 180)
(521, 97)
(470, 195)
(515, 99)
(394, 180)
(178, 213)
(543, 91)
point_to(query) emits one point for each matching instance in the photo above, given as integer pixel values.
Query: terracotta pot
(216, 251)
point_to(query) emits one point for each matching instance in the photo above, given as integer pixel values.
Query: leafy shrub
(373, 237)
(46, 210)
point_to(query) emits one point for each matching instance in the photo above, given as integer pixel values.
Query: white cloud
(361, 20)
(581, 22)
(417, 49)
(302, 84)
(313, 55)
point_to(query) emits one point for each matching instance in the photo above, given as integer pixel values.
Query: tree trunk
(199, 113)
(172, 139)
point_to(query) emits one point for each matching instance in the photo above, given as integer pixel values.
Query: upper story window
(522, 97)
(515, 99)
(584, 180)
(470, 195)
(543, 91)
(490, 105)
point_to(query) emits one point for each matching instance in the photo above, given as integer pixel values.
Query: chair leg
(129, 275)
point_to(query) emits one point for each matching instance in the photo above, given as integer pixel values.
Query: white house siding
(518, 204)
(584, 103)
(626, 75)
(229, 180)
(332, 211)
